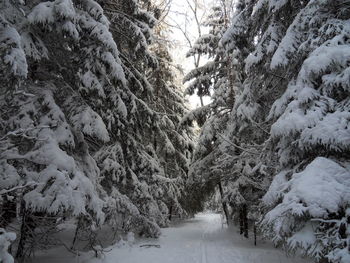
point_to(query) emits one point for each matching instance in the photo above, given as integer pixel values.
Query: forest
(99, 144)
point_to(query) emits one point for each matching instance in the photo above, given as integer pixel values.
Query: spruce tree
(211, 78)
(80, 120)
(288, 123)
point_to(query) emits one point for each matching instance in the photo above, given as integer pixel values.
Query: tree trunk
(170, 212)
(254, 234)
(76, 233)
(241, 226)
(201, 100)
(26, 232)
(243, 220)
(224, 204)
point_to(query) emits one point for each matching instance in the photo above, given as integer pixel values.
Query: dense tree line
(276, 134)
(94, 131)
(89, 122)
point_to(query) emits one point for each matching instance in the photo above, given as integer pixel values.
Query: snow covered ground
(202, 239)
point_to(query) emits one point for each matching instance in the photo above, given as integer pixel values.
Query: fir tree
(79, 120)
(288, 120)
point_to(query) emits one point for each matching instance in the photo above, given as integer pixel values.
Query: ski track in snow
(198, 240)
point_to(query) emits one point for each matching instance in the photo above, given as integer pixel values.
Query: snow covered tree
(147, 164)
(212, 77)
(44, 153)
(219, 156)
(77, 135)
(242, 145)
(173, 142)
(308, 197)
(290, 118)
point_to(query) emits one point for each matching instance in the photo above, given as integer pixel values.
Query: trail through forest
(97, 138)
(202, 239)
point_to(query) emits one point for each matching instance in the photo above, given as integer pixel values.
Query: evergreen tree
(309, 130)
(213, 77)
(219, 156)
(149, 161)
(288, 122)
(174, 142)
(81, 127)
(44, 157)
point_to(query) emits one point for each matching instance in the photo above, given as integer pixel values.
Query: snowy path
(199, 240)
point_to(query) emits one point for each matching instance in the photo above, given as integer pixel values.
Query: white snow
(15, 56)
(321, 188)
(91, 123)
(203, 239)
(278, 185)
(304, 238)
(42, 13)
(6, 238)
